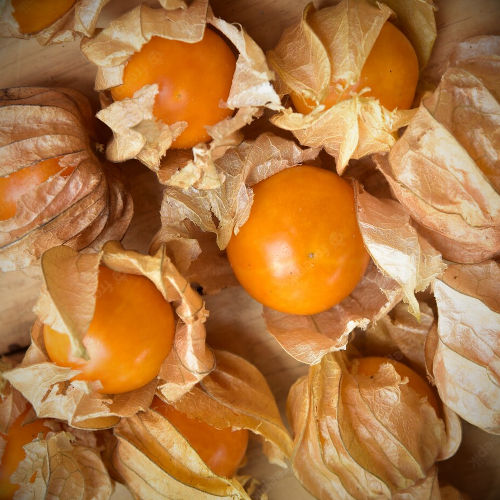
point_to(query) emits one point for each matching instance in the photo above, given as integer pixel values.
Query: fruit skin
(221, 449)
(15, 185)
(300, 251)
(391, 71)
(18, 436)
(129, 336)
(369, 366)
(35, 15)
(193, 78)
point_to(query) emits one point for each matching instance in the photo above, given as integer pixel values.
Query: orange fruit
(193, 79)
(35, 15)
(221, 449)
(128, 339)
(300, 251)
(390, 71)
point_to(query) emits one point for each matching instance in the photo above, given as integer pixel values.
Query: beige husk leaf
(67, 304)
(395, 246)
(328, 49)
(12, 403)
(364, 437)
(251, 90)
(83, 209)
(309, 338)
(445, 167)
(152, 454)
(79, 20)
(464, 357)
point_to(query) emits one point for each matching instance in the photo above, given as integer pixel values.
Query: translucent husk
(364, 437)
(156, 460)
(137, 134)
(462, 355)
(82, 210)
(56, 395)
(329, 47)
(80, 20)
(445, 168)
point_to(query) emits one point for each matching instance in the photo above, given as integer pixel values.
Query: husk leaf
(362, 437)
(465, 355)
(82, 210)
(251, 90)
(67, 303)
(79, 21)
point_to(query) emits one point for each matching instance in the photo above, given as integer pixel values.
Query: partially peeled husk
(445, 170)
(77, 402)
(80, 20)
(137, 133)
(156, 461)
(82, 210)
(366, 437)
(307, 63)
(462, 354)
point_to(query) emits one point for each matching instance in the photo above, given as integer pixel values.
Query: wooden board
(235, 319)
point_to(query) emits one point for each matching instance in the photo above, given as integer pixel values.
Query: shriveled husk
(80, 20)
(308, 61)
(82, 210)
(366, 437)
(156, 461)
(77, 402)
(462, 354)
(137, 133)
(445, 167)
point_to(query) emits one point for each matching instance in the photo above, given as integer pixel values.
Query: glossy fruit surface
(221, 449)
(15, 185)
(369, 366)
(17, 437)
(390, 71)
(35, 15)
(192, 77)
(300, 251)
(129, 337)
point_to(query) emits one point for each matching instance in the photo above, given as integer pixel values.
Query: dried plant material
(79, 20)
(82, 205)
(251, 90)
(67, 304)
(362, 437)
(395, 246)
(58, 467)
(309, 338)
(444, 169)
(465, 354)
(327, 50)
(12, 404)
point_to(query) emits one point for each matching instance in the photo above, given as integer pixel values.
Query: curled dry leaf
(362, 437)
(82, 205)
(251, 90)
(328, 49)
(80, 19)
(151, 453)
(67, 304)
(464, 356)
(445, 167)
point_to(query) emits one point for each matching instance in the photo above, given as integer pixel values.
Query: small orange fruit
(35, 15)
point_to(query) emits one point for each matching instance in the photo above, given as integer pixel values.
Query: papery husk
(81, 210)
(463, 355)
(309, 338)
(395, 246)
(80, 20)
(329, 47)
(251, 90)
(56, 395)
(221, 210)
(445, 167)
(363, 437)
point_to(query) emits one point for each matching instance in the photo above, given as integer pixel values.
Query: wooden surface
(235, 321)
